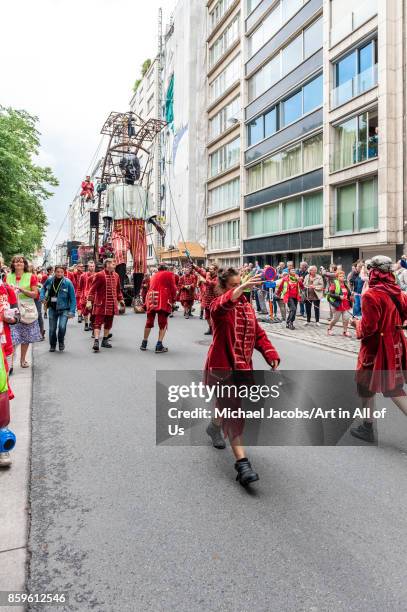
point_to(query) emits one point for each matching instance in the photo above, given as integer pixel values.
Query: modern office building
(224, 113)
(325, 124)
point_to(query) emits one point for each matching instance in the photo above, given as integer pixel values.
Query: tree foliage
(24, 186)
(145, 66)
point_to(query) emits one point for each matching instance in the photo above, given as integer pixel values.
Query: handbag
(28, 311)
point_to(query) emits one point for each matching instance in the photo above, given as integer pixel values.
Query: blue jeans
(357, 306)
(57, 318)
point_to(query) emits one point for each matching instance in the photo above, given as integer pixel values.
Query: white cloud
(71, 63)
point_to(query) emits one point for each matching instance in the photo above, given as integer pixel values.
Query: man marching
(103, 300)
(159, 300)
(85, 281)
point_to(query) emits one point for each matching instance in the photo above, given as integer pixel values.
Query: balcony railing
(354, 87)
(353, 20)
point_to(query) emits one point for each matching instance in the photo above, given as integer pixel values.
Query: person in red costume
(145, 285)
(159, 301)
(236, 333)
(186, 288)
(77, 274)
(382, 360)
(103, 300)
(88, 189)
(208, 291)
(85, 281)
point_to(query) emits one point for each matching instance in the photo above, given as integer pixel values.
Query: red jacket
(289, 288)
(98, 294)
(236, 333)
(186, 287)
(208, 291)
(383, 350)
(84, 284)
(162, 292)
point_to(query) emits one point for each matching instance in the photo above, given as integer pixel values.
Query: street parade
(203, 306)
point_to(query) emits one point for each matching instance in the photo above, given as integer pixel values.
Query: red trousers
(162, 317)
(105, 320)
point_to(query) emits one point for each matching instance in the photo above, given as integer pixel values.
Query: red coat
(99, 297)
(85, 281)
(208, 292)
(162, 292)
(186, 287)
(145, 286)
(383, 350)
(289, 288)
(236, 333)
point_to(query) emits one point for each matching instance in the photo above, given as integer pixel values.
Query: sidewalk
(314, 334)
(14, 483)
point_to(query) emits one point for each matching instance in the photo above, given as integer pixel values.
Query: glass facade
(307, 99)
(220, 9)
(223, 197)
(355, 73)
(294, 214)
(225, 79)
(356, 140)
(225, 157)
(224, 119)
(293, 54)
(356, 206)
(281, 13)
(224, 235)
(302, 157)
(225, 40)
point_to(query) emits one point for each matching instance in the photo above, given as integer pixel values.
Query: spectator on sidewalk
(313, 293)
(356, 280)
(290, 291)
(340, 297)
(25, 285)
(59, 295)
(302, 273)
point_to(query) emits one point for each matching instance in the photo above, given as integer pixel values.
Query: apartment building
(324, 151)
(145, 103)
(224, 113)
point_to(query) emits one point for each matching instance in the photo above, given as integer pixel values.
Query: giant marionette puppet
(128, 205)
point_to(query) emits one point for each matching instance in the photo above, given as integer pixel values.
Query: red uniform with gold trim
(186, 288)
(85, 281)
(105, 294)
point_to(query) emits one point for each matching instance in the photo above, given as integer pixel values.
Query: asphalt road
(122, 525)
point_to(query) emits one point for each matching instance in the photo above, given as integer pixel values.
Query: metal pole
(157, 153)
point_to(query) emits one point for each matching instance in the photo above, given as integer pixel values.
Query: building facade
(225, 134)
(324, 138)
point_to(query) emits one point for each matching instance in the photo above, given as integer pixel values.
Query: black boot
(106, 343)
(208, 332)
(215, 433)
(160, 348)
(61, 346)
(201, 315)
(245, 472)
(96, 346)
(86, 328)
(363, 432)
(80, 319)
(143, 346)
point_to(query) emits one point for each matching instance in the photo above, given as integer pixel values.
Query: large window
(225, 40)
(293, 108)
(225, 118)
(225, 157)
(294, 214)
(224, 235)
(289, 57)
(220, 9)
(347, 15)
(355, 73)
(356, 140)
(356, 206)
(281, 13)
(223, 197)
(299, 159)
(225, 79)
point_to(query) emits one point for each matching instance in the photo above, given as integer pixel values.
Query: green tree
(24, 186)
(145, 66)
